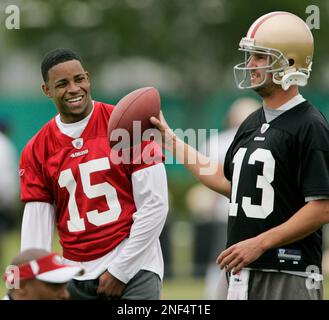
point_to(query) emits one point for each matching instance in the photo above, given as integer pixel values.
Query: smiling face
(259, 76)
(69, 86)
(257, 61)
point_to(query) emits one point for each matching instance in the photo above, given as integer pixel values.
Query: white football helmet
(288, 43)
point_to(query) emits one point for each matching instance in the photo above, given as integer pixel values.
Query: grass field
(180, 287)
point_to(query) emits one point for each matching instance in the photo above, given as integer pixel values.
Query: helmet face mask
(286, 41)
(276, 62)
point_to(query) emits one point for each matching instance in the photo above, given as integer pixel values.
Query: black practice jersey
(273, 168)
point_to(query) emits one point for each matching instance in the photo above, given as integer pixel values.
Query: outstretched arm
(209, 173)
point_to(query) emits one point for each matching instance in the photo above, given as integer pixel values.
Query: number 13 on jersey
(263, 182)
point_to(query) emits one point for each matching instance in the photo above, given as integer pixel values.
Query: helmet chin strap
(291, 79)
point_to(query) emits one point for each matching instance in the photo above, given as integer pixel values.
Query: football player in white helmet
(276, 171)
(285, 42)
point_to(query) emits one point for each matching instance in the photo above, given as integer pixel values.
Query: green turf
(183, 289)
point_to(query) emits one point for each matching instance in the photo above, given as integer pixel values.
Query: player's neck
(67, 118)
(280, 97)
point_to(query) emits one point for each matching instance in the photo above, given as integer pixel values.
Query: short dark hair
(55, 57)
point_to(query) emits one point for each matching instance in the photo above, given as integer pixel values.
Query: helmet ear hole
(291, 62)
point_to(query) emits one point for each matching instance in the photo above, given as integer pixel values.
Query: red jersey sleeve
(32, 181)
(146, 154)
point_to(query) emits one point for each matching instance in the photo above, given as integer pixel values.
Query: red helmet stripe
(262, 20)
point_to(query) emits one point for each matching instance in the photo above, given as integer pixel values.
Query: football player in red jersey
(109, 214)
(276, 171)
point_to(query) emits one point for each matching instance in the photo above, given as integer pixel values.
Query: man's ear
(87, 75)
(46, 90)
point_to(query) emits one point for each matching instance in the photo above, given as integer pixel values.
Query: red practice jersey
(91, 192)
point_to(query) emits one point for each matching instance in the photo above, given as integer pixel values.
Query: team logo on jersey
(281, 251)
(80, 153)
(264, 128)
(77, 143)
(259, 139)
(289, 254)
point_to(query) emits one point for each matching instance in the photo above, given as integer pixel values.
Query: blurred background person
(42, 276)
(210, 209)
(9, 188)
